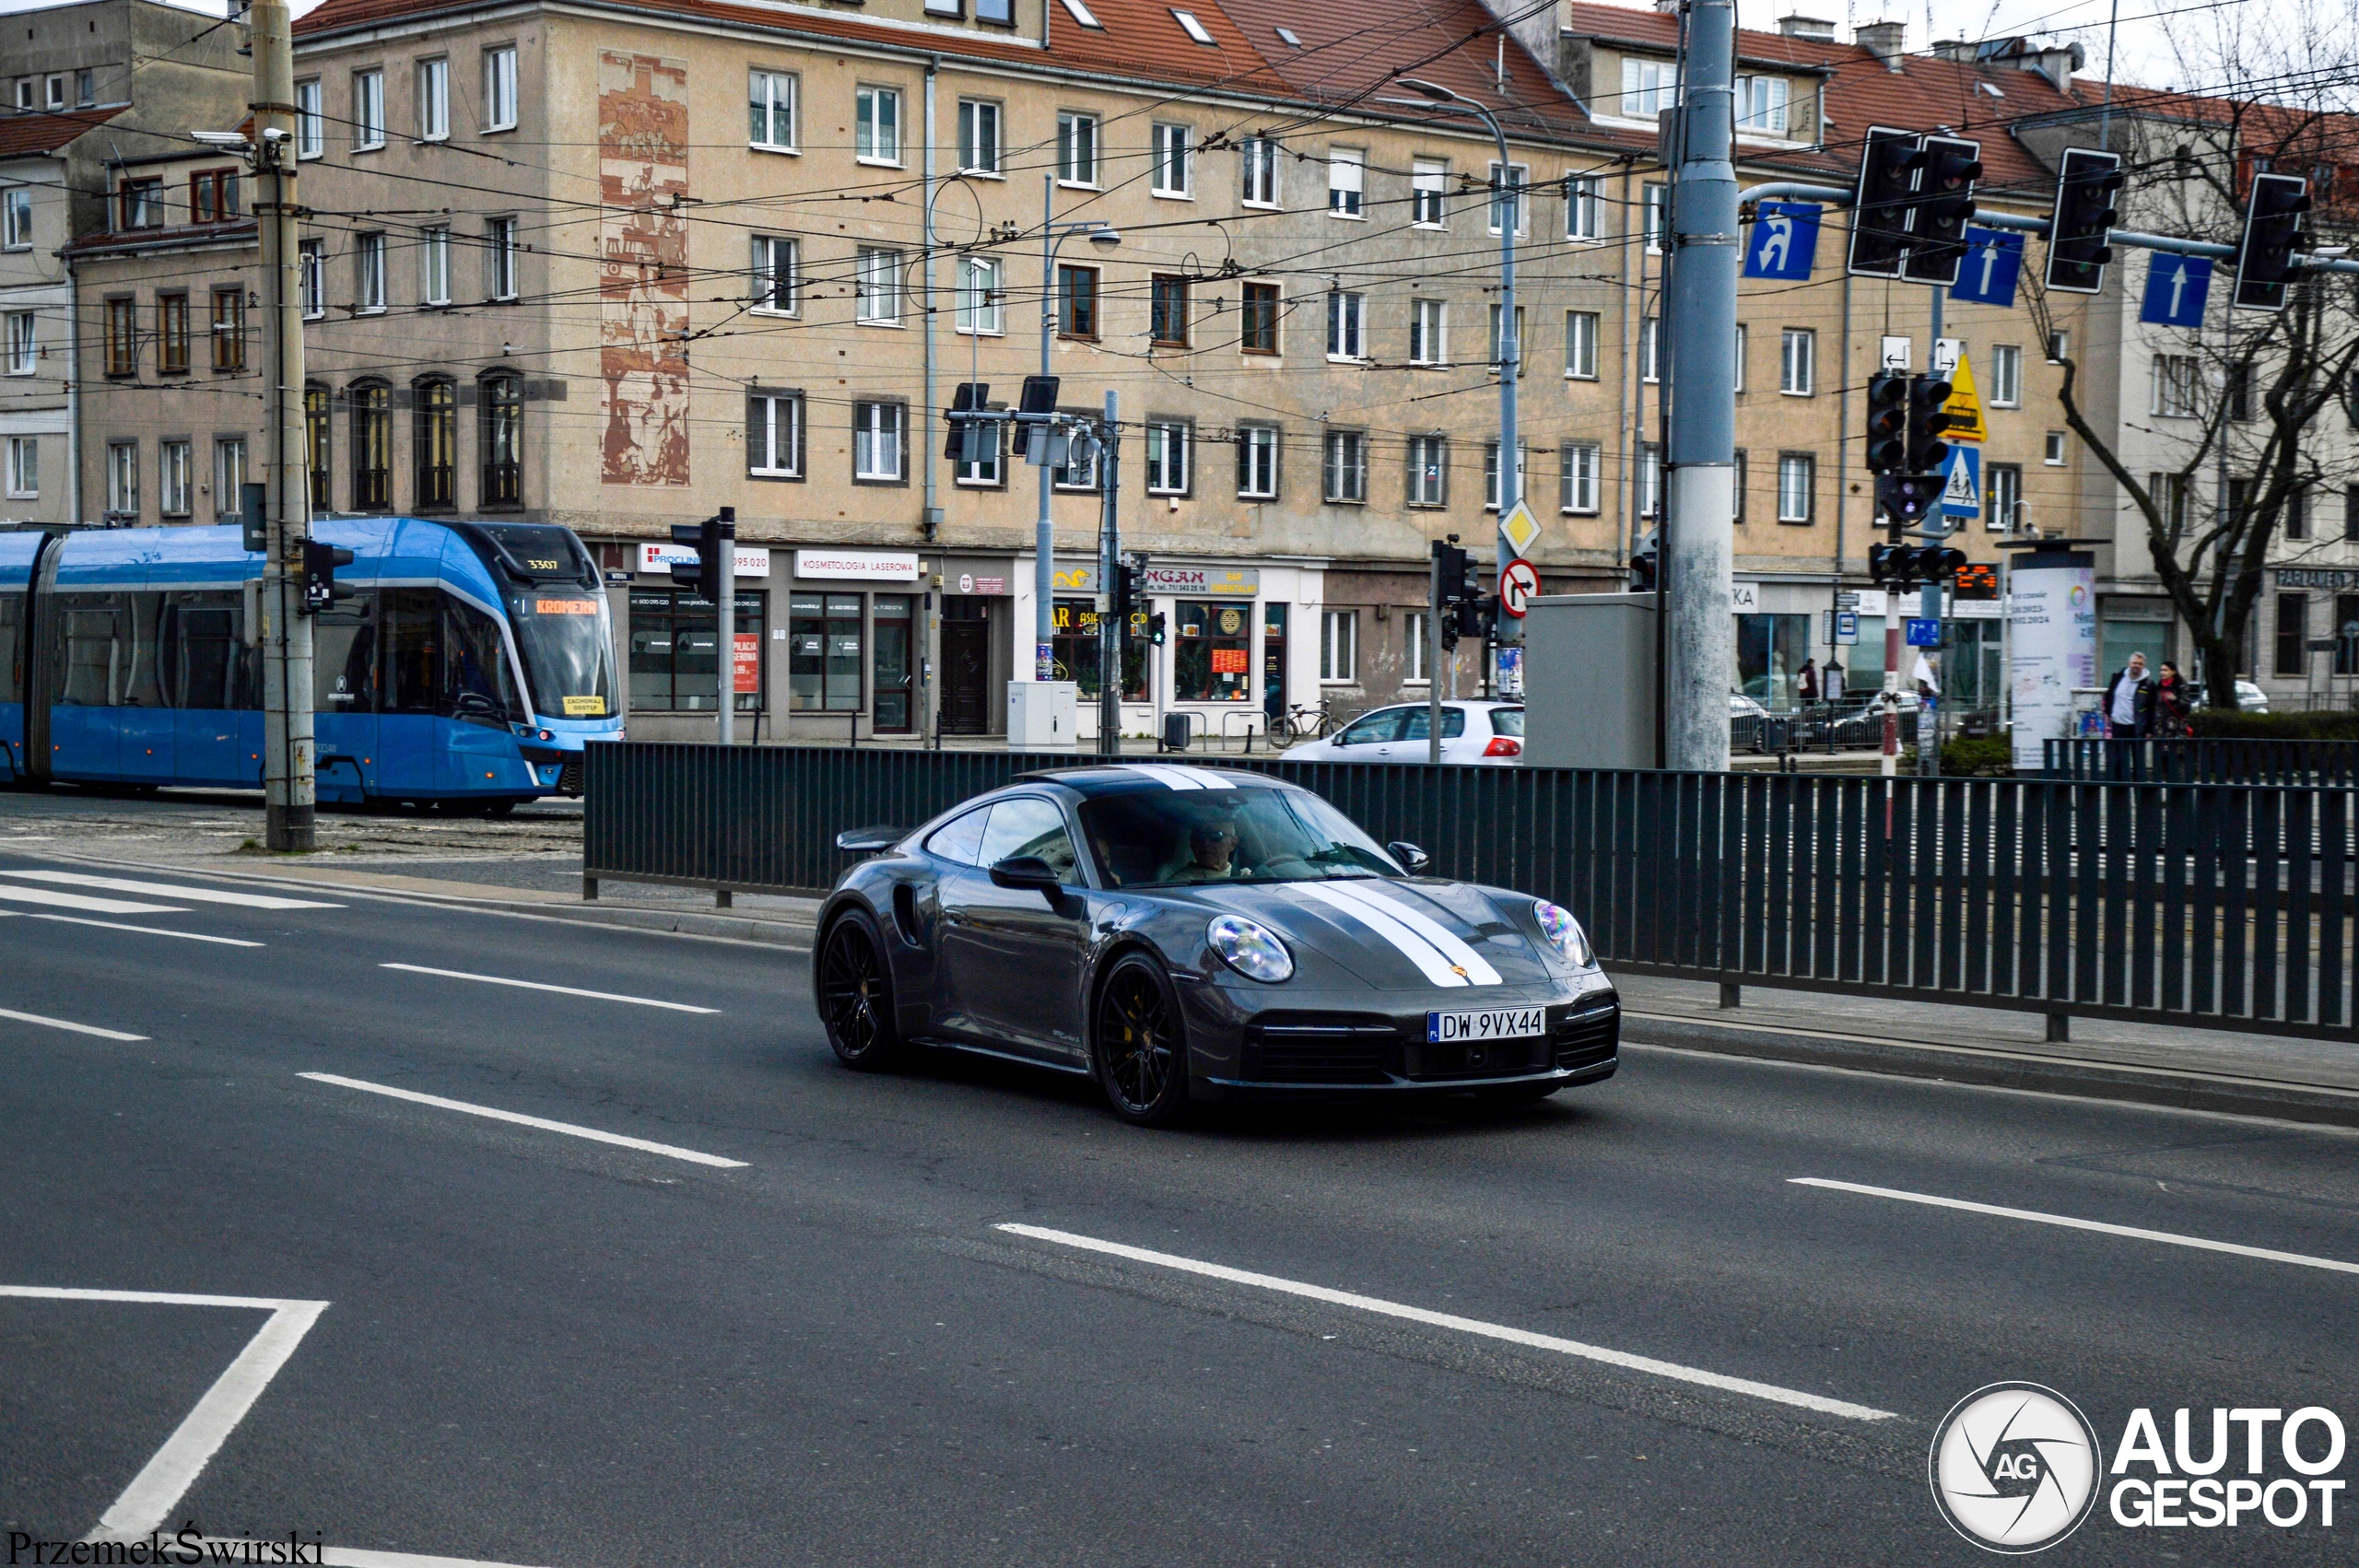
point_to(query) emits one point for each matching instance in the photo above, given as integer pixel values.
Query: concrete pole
(725, 617)
(1700, 312)
(1433, 663)
(1112, 625)
(1044, 535)
(290, 789)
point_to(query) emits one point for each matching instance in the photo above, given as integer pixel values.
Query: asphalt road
(542, 1349)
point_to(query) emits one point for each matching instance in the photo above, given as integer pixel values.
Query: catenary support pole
(725, 643)
(1112, 624)
(289, 789)
(1698, 545)
(1433, 662)
(1044, 535)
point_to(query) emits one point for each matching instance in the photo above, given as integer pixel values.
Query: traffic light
(1888, 423)
(2273, 234)
(1908, 499)
(1902, 564)
(2083, 221)
(1643, 561)
(1944, 202)
(1940, 563)
(968, 441)
(715, 543)
(1928, 396)
(320, 562)
(1124, 600)
(1039, 396)
(1155, 631)
(1884, 203)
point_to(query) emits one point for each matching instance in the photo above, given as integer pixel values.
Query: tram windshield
(561, 629)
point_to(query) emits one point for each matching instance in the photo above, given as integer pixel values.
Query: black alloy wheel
(1142, 1055)
(855, 999)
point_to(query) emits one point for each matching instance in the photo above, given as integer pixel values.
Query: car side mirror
(1412, 859)
(867, 840)
(1026, 873)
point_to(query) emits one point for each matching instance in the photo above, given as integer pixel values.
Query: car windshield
(561, 630)
(1165, 839)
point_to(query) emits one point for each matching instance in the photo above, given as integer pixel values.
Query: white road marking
(671, 1150)
(2068, 1222)
(538, 985)
(82, 901)
(346, 1556)
(144, 930)
(1475, 1326)
(62, 1024)
(1415, 948)
(148, 1500)
(168, 890)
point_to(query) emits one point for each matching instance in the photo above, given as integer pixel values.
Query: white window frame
(53, 90)
(1339, 648)
(1999, 512)
(432, 79)
(229, 471)
(1577, 489)
(1428, 483)
(776, 278)
(23, 343)
(1077, 149)
(988, 472)
(1196, 30)
(1343, 468)
(880, 429)
(501, 88)
(311, 119)
(1649, 87)
(1743, 346)
(1518, 192)
(1651, 350)
(2059, 347)
(312, 278)
(1797, 362)
(1584, 208)
(1491, 473)
(1167, 453)
(978, 152)
(981, 297)
(1172, 152)
(2176, 380)
(2055, 454)
(877, 286)
(1417, 649)
(434, 265)
(175, 477)
(1649, 480)
(774, 91)
(1497, 350)
(2006, 375)
(770, 462)
(24, 468)
(1763, 103)
(369, 109)
(1429, 331)
(1429, 193)
(876, 127)
(1654, 210)
(368, 272)
(17, 219)
(500, 255)
(122, 477)
(1346, 327)
(1347, 184)
(1257, 462)
(1258, 172)
(1797, 487)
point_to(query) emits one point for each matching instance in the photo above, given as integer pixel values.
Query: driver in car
(1211, 851)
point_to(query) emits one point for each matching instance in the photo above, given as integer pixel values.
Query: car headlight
(1250, 948)
(1559, 926)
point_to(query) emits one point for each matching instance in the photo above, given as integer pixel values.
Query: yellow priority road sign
(1964, 408)
(1520, 527)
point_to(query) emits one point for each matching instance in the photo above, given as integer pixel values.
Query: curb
(2006, 1070)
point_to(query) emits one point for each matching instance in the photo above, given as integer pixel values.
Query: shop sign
(1745, 597)
(859, 566)
(1212, 582)
(991, 586)
(746, 662)
(1073, 577)
(2339, 579)
(752, 560)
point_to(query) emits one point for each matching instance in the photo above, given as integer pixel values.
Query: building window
(2059, 347)
(1584, 207)
(1077, 301)
(122, 479)
(213, 196)
(876, 443)
(978, 137)
(367, 111)
(1000, 13)
(1079, 473)
(985, 470)
(1166, 457)
(2053, 454)
(1257, 462)
(1258, 173)
(876, 130)
(311, 120)
(311, 278)
(229, 329)
(878, 284)
(1172, 153)
(1743, 342)
(1168, 311)
(2293, 631)
(1417, 648)
(2006, 375)
(1490, 474)
(22, 348)
(675, 646)
(24, 468)
(769, 104)
(2297, 513)
(1257, 329)
(123, 337)
(774, 275)
(1194, 28)
(86, 86)
(1510, 197)
(499, 257)
(1580, 345)
(434, 100)
(1428, 191)
(499, 87)
(2005, 494)
(434, 265)
(499, 434)
(372, 448)
(434, 443)
(1649, 87)
(1346, 468)
(1657, 217)
(17, 219)
(1428, 332)
(1214, 660)
(1430, 469)
(1077, 149)
(1339, 647)
(774, 435)
(142, 203)
(1761, 105)
(1739, 487)
(1649, 480)
(1650, 348)
(1798, 362)
(228, 476)
(1577, 477)
(1797, 486)
(1498, 354)
(2350, 513)
(1346, 180)
(2176, 378)
(369, 270)
(55, 91)
(824, 652)
(316, 431)
(176, 478)
(1347, 321)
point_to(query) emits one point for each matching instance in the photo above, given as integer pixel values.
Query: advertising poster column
(2053, 623)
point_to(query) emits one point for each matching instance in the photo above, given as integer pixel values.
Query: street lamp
(1053, 235)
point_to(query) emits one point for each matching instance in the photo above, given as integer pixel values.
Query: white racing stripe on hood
(1478, 968)
(1170, 777)
(1205, 778)
(1379, 918)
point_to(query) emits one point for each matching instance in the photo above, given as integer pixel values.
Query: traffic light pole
(724, 609)
(290, 789)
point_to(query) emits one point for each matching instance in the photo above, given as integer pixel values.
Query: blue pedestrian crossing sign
(1962, 482)
(1784, 242)
(1924, 633)
(2176, 287)
(1994, 259)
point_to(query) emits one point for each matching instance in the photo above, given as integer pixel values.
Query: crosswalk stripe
(169, 890)
(144, 931)
(80, 901)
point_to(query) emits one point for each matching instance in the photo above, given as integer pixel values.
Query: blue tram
(468, 666)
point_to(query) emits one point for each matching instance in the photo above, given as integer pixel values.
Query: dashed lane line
(68, 1024)
(670, 1151)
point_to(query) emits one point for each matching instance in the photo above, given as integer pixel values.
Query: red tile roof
(21, 135)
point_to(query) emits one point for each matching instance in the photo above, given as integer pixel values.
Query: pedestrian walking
(2174, 703)
(2129, 700)
(1806, 683)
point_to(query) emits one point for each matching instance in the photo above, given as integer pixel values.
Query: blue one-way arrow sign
(1785, 242)
(2176, 287)
(1994, 259)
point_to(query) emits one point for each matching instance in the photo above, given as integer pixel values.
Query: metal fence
(2201, 761)
(2213, 903)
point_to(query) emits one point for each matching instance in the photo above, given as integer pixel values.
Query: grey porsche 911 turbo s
(1184, 933)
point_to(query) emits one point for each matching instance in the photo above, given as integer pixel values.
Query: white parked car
(1475, 732)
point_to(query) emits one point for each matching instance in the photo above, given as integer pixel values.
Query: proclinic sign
(2052, 626)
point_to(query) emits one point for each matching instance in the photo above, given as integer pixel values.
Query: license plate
(1493, 1024)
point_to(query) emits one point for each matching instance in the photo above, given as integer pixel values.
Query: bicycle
(1310, 723)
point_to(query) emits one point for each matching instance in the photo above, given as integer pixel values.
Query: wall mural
(643, 267)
